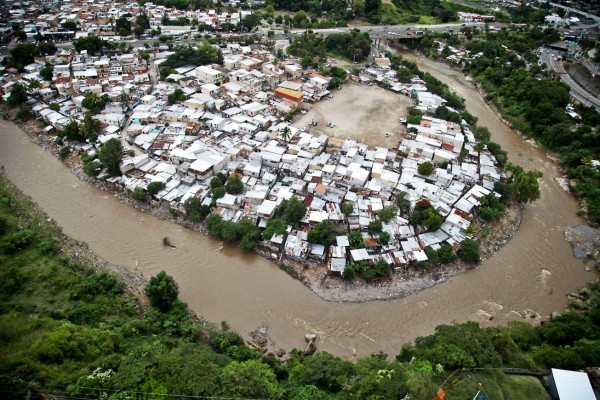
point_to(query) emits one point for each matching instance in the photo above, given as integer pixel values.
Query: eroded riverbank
(528, 278)
(314, 275)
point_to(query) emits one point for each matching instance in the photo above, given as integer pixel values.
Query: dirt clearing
(360, 112)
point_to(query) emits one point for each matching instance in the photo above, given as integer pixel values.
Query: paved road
(580, 93)
(577, 92)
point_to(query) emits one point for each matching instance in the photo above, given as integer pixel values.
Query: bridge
(571, 10)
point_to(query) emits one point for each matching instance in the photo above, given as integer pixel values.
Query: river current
(529, 276)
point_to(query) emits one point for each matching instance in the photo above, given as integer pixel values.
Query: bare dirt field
(360, 112)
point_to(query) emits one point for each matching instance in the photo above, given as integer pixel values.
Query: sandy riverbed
(360, 112)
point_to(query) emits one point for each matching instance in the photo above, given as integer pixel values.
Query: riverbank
(315, 276)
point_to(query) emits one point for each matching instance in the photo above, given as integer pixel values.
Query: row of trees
(354, 45)
(202, 54)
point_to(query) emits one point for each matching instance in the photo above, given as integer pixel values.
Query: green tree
(276, 226)
(324, 371)
(18, 95)
(217, 181)
(175, 97)
(524, 184)
(446, 254)
(110, 156)
(425, 215)
(249, 379)
(356, 241)
(46, 48)
(349, 273)
(374, 227)
(123, 26)
(228, 231)
(94, 103)
(90, 128)
(23, 54)
(234, 185)
(347, 207)
(382, 268)
(217, 193)
(387, 214)
(322, 233)
(292, 210)
(214, 223)
(469, 251)
(69, 25)
(24, 114)
(138, 194)
(154, 187)
(162, 291)
(426, 168)
(47, 72)
(90, 43)
(34, 84)
(194, 209)
(286, 134)
(384, 238)
(402, 202)
(72, 131)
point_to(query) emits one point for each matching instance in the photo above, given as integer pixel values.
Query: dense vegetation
(201, 54)
(533, 101)
(67, 328)
(354, 45)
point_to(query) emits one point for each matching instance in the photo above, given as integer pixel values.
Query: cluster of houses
(47, 18)
(231, 120)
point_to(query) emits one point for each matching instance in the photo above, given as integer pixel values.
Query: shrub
(426, 168)
(469, 251)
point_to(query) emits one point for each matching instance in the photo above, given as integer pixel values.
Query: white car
(387, 134)
(402, 120)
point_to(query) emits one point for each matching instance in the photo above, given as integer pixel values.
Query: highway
(551, 59)
(376, 32)
(579, 93)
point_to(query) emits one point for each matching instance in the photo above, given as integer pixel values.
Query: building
(570, 385)
(208, 75)
(294, 95)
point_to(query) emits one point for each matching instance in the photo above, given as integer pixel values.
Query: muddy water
(530, 274)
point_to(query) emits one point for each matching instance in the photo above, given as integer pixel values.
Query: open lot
(360, 112)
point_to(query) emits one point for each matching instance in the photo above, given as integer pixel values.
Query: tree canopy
(162, 291)
(110, 156)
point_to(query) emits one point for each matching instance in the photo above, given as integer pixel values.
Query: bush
(469, 251)
(138, 194)
(426, 168)
(162, 291)
(64, 152)
(349, 273)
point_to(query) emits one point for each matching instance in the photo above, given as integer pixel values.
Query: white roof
(572, 385)
(267, 207)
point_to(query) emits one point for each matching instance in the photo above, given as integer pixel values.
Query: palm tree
(286, 134)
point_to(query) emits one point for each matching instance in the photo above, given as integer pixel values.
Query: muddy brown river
(531, 274)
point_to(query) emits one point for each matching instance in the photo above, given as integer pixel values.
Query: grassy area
(464, 385)
(389, 13)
